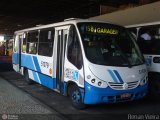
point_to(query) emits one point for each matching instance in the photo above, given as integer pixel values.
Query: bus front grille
(123, 86)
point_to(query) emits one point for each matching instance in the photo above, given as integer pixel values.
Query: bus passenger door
(61, 37)
(16, 58)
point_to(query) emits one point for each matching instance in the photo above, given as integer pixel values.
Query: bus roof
(65, 22)
(144, 24)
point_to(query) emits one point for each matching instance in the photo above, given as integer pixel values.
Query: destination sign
(101, 30)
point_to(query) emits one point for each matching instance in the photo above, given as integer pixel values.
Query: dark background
(20, 14)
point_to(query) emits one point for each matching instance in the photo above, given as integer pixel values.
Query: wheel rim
(76, 96)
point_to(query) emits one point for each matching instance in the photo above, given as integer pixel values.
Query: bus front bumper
(94, 95)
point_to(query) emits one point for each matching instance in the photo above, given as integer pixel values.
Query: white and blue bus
(148, 39)
(92, 62)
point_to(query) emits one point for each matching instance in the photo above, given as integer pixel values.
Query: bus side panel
(42, 79)
(40, 64)
(14, 58)
(15, 61)
(36, 71)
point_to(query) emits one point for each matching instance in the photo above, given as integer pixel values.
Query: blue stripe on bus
(44, 80)
(47, 81)
(30, 62)
(36, 64)
(35, 77)
(113, 76)
(118, 75)
(14, 58)
(27, 61)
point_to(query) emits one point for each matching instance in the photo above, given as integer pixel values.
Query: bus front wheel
(26, 77)
(76, 97)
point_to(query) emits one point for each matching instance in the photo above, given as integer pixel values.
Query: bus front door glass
(61, 35)
(17, 51)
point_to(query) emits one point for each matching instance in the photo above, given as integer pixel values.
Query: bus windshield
(107, 44)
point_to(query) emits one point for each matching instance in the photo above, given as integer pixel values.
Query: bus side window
(74, 53)
(46, 39)
(147, 39)
(32, 41)
(10, 46)
(24, 42)
(15, 48)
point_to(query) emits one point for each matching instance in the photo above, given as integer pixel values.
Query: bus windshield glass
(107, 44)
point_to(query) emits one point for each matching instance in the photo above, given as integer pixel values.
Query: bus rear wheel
(76, 97)
(26, 77)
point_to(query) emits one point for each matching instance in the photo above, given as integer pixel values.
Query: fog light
(99, 83)
(93, 80)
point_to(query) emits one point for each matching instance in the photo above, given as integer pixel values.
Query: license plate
(125, 95)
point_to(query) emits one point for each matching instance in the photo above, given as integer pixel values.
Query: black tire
(26, 77)
(76, 97)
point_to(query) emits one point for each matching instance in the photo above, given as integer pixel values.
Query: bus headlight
(99, 83)
(88, 77)
(93, 80)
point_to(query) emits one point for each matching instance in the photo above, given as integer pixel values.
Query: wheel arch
(72, 89)
(68, 85)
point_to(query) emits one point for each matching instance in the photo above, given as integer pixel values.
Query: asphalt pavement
(15, 104)
(146, 108)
